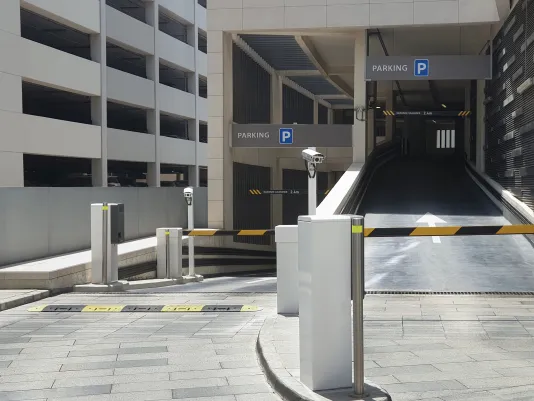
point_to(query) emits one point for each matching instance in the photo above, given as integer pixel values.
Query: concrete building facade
(317, 49)
(98, 81)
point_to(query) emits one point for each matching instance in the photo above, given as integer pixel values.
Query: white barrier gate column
(104, 254)
(287, 269)
(324, 263)
(169, 253)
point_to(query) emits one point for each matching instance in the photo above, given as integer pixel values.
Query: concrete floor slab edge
(27, 298)
(288, 387)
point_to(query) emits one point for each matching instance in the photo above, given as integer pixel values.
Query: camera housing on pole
(311, 159)
(188, 196)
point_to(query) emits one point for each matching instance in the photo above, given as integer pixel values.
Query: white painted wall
(131, 146)
(129, 32)
(183, 10)
(81, 15)
(176, 102)
(130, 89)
(175, 52)
(177, 151)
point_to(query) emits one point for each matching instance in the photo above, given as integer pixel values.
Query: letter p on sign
(421, 68)
(286, 136)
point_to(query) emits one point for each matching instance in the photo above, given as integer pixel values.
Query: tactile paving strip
(145, 308)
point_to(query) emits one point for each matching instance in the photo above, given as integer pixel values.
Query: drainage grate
(497, 293)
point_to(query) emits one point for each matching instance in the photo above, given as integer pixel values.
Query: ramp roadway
(422, 192)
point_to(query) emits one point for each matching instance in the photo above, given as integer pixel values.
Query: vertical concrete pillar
(390, 105)
(99, 105)
(276, 170)
(481, 127)
(467, 123)
(358, 129)
(193, 82)
(330, 116)
(220, 109)
(370, 130)
(315, 111)
(11, 164)
(153, 116)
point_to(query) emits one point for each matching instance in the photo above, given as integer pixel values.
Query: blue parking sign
(421, 68)
(286, 136)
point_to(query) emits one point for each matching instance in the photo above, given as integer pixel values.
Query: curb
(288, 387)
(25, 299)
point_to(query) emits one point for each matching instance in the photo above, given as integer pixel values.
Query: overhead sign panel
(412, 68)
(291, 136)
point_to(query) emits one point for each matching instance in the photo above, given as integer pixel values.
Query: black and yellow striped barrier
(256, 191)
(145, 308)
(449, 231)
(388, 112)
(464, 113)
(206, 232)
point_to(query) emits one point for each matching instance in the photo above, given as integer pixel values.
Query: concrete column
(153, 116)
(220, 109)
(315, 111)
(481, 127)
(467, 123)
(390, 105)
(358, 129)
(330, 116)
(11, 164)
(276, 99)
(370, 130)
(99, 105)
(193, 82)
(276, 170)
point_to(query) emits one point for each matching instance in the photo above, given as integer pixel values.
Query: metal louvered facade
(510, 115)
(252, 90)
(297, 108)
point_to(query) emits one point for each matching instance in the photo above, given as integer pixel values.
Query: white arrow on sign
(432, 220)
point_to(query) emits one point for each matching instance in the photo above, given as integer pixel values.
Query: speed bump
(144, 308)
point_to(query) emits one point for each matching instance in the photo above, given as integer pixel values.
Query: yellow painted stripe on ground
(37, 308)
(103, 308)
(249, 308)
(203, 233)
(357, 229)
(252, 232)
(367, 231)
(517, 229)
(182, 308)
(429, 231)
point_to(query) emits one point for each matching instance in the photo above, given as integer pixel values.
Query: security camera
(311, 156)
(188, 195)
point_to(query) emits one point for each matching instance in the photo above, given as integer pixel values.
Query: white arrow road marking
(261, 279)
(431, 220)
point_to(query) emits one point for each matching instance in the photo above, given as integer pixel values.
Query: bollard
(169, 253)
(358, 293)
(107, 231)
(287, 291)
(188, 195)
(324, 261)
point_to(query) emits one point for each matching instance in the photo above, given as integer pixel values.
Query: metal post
(312, 190)
(167, 255)
(191, 249)
(105, 227)
(358, 292)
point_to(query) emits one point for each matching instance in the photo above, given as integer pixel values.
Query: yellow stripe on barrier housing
(103, 308)
(182, 308)
(357, 229)
(517, 229)
(252, 232)
(202, 232)
(37, 308)
(430, 231)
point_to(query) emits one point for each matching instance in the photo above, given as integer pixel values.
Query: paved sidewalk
(134, 356)
(13, 298)
(435, 348)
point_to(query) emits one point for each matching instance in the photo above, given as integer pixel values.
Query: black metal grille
(251, 212)
(297, 108)
(429, 292)
(252, 90)
(510, 116)
(323, 114)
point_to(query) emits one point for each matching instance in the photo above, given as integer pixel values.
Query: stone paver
(134, 356)
(433, 348)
